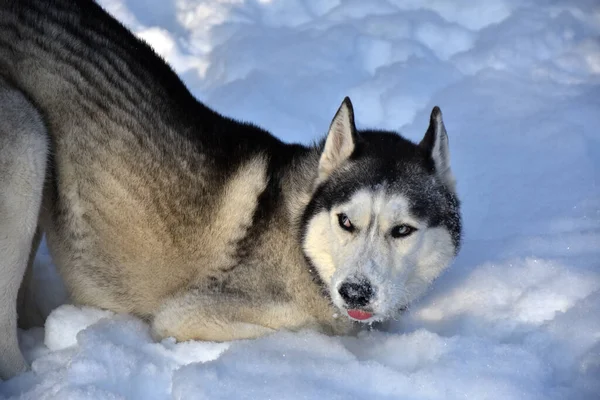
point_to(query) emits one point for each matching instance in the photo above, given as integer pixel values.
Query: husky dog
(206, 227)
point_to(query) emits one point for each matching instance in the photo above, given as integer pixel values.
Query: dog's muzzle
(357, 295)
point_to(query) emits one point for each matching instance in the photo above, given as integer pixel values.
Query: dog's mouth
(359, 315)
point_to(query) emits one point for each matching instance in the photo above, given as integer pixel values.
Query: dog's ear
(340, 141)
(435, 143)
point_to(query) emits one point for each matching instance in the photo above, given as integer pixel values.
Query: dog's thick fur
(208, 228)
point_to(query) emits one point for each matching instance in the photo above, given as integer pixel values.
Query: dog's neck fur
(299, 183)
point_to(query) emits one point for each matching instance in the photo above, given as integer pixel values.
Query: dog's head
(384, 219)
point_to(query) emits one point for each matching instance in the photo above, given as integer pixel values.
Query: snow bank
(518, 315)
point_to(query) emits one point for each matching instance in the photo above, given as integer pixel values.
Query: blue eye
(402, 231)
(345, 222)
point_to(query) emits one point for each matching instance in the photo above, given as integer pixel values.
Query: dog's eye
(345, 223)
(401, 231)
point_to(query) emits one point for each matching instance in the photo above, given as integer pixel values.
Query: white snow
(518, 314)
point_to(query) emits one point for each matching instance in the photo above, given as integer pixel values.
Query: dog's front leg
(197, 315)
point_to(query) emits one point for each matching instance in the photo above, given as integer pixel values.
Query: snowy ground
(517, 316)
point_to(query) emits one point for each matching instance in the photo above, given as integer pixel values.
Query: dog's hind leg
(23, 155)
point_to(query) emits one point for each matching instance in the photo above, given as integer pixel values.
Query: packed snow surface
(518, 314)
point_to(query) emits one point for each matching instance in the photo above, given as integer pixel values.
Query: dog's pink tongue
(359, 315)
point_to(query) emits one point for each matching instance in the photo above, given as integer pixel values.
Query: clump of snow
(516, 317)
(99, 355)
(64, 323)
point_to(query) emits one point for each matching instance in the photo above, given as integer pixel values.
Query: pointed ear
(435, 143)
(340, 141)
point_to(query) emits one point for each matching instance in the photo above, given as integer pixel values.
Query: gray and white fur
(206, 227)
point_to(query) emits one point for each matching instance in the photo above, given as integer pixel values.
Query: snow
(518, 314)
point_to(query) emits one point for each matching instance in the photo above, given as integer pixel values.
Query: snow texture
(518, 314)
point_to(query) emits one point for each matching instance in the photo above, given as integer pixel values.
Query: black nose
(356, 294)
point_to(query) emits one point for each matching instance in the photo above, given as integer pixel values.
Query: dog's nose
(356, 294)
